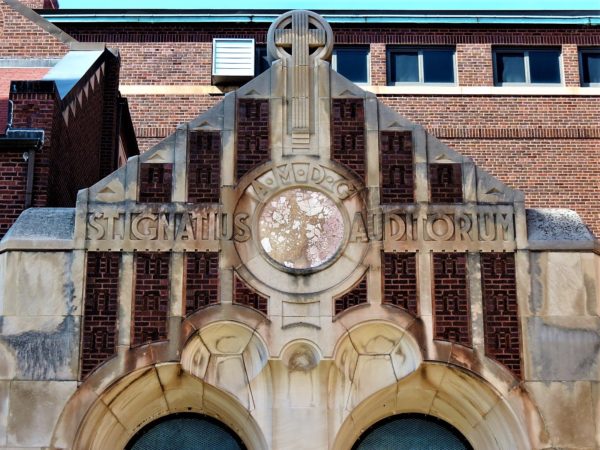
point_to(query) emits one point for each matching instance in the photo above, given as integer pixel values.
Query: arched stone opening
(486, 418)
(129, 404)
(412, 432)
(185, 431)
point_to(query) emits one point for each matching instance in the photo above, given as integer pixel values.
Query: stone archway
(486, 418)
(143, 396)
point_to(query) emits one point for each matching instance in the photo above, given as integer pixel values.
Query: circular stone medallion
(301, 229)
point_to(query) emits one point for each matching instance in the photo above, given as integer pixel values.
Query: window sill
(483, 90)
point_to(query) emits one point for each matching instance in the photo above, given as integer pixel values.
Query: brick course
(243, 295)
(445, 183)
(501, 310)
(400, 281)
(155, 182)
(151, 299)
(396, 160)
(348, 134)
(204, 168)
(201, 280)
(100, 307)
(252, 134)
(451, 307)
(356, 296)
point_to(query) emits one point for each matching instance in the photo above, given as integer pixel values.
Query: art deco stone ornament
(299, 260)
(301, 229)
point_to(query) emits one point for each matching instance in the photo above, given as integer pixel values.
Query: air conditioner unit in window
(233, 60)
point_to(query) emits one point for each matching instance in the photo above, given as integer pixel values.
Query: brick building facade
(525, 135)
(300, 259)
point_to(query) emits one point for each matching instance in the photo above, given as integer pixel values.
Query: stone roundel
(301, 228)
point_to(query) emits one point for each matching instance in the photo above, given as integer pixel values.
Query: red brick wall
(155, 182)
(75, 156)
(201, 280)
(495, 130)
(252, 134)
(452, 316)
(445, 183)
(396, 159)
(151, 302)
(356, 296)
(348, 134)
(243, 295)
(13, 183)
(21, 38)
(204, 168)
(40, 4)
(501, 309)
(100, 307)
(400, 281)
(39, 108)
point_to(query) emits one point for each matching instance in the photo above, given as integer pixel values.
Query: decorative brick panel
(204, 169)
(445, 183)
(201, 280)
(155, 183)
(501, 310)
(100, 307)
(252, 134)
(348, 134)
(397, 173)
(356, 296)
(452, 313)
(400, 281)
(151, 303)
(243, 295)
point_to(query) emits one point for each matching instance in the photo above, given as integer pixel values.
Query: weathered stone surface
(554, 228)
(563, 348)
(34, 410)
(40, 284)
(42, 347)
(568, 412)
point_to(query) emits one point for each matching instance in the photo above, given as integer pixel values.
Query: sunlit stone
(301, 229)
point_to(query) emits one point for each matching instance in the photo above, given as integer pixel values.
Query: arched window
(412, 432)
(185, 432)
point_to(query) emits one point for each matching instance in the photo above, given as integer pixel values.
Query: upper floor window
(261, 59)
(423, 65)
(589, 67)
(353, 63)
(527, 66)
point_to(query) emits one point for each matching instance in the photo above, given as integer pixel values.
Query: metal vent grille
(233, 57)
(185, 432)
(412, 432)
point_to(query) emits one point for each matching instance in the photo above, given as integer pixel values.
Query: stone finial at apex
(300, 35)
(301, 40)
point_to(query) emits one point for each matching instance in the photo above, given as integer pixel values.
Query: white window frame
(419, 51)
(353, 47)
(525, 51)
(580, 51)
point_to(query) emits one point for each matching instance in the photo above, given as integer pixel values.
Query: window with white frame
(353, 63)
(527, 66)
(589, 66)
(435, 65)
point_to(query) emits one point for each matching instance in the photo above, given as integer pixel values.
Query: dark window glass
(510, 67)
(438, 66)
(544, 67)
(591, 67)
(262, 62)
(353, 64)
(404, 67)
